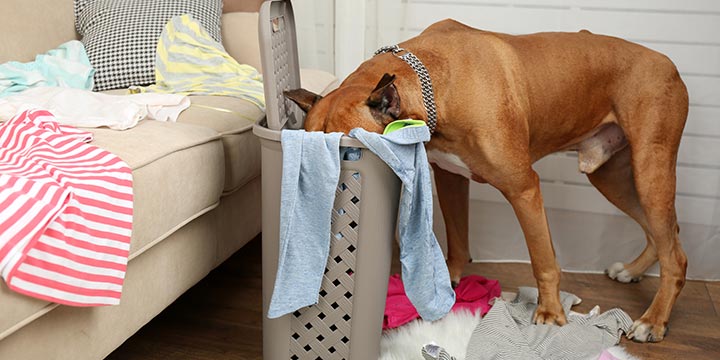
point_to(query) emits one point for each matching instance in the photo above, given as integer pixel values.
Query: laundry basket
(347, 321)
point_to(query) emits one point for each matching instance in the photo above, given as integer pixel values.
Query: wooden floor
(220, 318)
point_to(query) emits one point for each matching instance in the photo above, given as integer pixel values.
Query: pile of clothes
(506, 330)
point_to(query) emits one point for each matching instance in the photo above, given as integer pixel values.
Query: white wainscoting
(588, 232)
(315, 27)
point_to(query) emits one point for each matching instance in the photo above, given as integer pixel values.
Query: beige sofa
(196, 188)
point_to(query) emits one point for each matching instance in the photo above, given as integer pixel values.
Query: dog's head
(350, 106)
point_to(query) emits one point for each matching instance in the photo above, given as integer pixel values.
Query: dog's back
(591, 75)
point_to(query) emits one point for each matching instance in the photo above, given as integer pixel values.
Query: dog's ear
(385, 98)
(305, 99)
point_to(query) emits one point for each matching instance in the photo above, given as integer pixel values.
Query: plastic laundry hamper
(347, 321)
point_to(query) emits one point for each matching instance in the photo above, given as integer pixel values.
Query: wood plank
(707, 6)
(689, 58)
(698, 28)
(703, 90)
(704, 6)
(219, 318)
(691, 210)
(690, 180)
(703, 120)
(496, 236)
(694, 329)
(699, 66)
(699, 151)
(713, 289)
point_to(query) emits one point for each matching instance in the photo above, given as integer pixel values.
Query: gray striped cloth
(434, 352)
(507, 331)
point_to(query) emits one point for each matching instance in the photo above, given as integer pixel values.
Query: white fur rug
(452, 333)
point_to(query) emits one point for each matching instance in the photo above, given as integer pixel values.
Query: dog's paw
(546, 315)
(455, 268)
(643, 331)
(618, 272)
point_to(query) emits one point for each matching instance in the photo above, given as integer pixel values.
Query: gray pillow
(121, 36)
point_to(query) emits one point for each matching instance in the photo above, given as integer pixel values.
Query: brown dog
(503, 102)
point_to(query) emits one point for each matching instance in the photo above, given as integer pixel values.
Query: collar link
(423, 76)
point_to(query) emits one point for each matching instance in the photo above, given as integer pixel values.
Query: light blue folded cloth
(311, 170)
(424, 272)
(66, 66)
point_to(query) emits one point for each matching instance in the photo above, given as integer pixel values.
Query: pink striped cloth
(65, 213)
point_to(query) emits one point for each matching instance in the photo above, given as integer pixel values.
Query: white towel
(83, 108)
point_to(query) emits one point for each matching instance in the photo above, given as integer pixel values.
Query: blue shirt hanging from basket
(311, 167)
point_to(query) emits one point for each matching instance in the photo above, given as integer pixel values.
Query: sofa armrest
(240, 37)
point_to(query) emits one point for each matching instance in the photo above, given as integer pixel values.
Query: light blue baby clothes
(311, 170)
(424, 272)
(66, 66)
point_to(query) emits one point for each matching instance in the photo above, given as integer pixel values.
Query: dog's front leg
(523, 192)
(452, 192)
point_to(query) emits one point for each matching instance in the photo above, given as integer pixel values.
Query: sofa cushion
(121, 36)
(241, 5)
(240, 33)
(178, 174)
(31, 27)
(233, 119)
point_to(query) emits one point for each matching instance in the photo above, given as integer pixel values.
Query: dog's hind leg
(614, 180)
(654, 168)
(633, 271)
(453, 192)
(653, 119)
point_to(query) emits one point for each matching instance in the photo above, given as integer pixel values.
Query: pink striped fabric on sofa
(65, 213)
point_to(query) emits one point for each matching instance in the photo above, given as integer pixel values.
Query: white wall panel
(703, 121)
(691, 181)
(703, 89)
(585, 242)
(685, 27)
(688, 32)
(589, 233)
(314, 21)
(702, 6)
(692, 59)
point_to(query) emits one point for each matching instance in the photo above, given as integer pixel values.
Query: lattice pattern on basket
(322, 331)
(281, 60)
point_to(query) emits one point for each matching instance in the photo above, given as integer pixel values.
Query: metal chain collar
(425, 82)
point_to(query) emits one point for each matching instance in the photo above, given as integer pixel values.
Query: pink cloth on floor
(606, 355)
(473, 294)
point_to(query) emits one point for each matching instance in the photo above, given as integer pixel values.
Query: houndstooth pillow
(121, 36)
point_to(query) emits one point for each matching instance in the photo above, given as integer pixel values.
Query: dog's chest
(449, 162)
